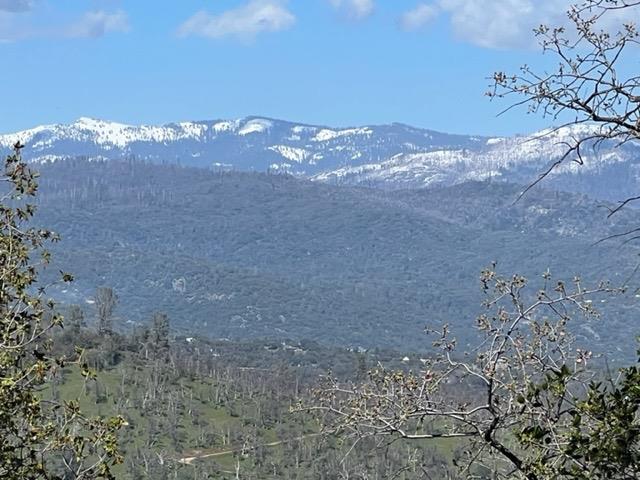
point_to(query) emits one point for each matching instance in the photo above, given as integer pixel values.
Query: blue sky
(334, 62)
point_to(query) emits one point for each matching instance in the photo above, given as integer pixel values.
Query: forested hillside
(239, 255)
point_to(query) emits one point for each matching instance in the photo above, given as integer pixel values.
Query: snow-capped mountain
(390, 156)
(607, 170)
(252, 143)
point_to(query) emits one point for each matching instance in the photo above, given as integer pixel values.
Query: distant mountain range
(252, 143)
(233, 254)
(388, 156)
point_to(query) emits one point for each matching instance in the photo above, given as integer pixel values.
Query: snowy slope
(608, 170)
(252, 143)
(389, 156)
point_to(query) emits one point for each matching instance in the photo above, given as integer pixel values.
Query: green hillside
(197, 409)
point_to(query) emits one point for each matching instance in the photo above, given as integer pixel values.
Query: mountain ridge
(391, 156)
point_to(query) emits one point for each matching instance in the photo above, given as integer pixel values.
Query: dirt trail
(202, 454)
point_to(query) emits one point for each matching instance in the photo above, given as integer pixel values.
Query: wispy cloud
(245, 22)
(355, 9)
(15, 6)
(498, 24)
(418, 17)
(23, 20)
(502, 23)
(97, 24)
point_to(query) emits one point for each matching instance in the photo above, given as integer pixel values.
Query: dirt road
(202, 454)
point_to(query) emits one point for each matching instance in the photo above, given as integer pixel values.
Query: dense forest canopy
(242, 255)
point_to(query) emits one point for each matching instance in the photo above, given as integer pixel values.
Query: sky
(329, 62)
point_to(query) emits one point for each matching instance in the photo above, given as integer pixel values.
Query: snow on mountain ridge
(606, 170)
(120, 135)
(394, 156)
(101, 132)
(250, 142)
(226, 126)
(255, 125)
(328, 134)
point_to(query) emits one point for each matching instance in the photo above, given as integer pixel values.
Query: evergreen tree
(160, 335)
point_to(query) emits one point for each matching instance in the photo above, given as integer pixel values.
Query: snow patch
(326, 134)
(298, 129)
(226, 126)
(294, 154)
(257, 125)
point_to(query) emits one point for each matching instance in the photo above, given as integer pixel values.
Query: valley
(328, 240)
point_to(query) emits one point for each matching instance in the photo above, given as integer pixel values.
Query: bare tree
(106, 301)
(591, 83)
(522, 404)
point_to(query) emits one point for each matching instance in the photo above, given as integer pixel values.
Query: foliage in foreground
(539, 412)
(532, 408)
(38, 439)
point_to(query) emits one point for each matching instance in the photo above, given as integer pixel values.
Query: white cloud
(510, 23)
(418, 17)
(356, 9)
(501, 24)
(16, 25)
(98, 23)
(245, 22)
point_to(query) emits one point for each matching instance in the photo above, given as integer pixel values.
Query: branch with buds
(510, 402)
(590, 83)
